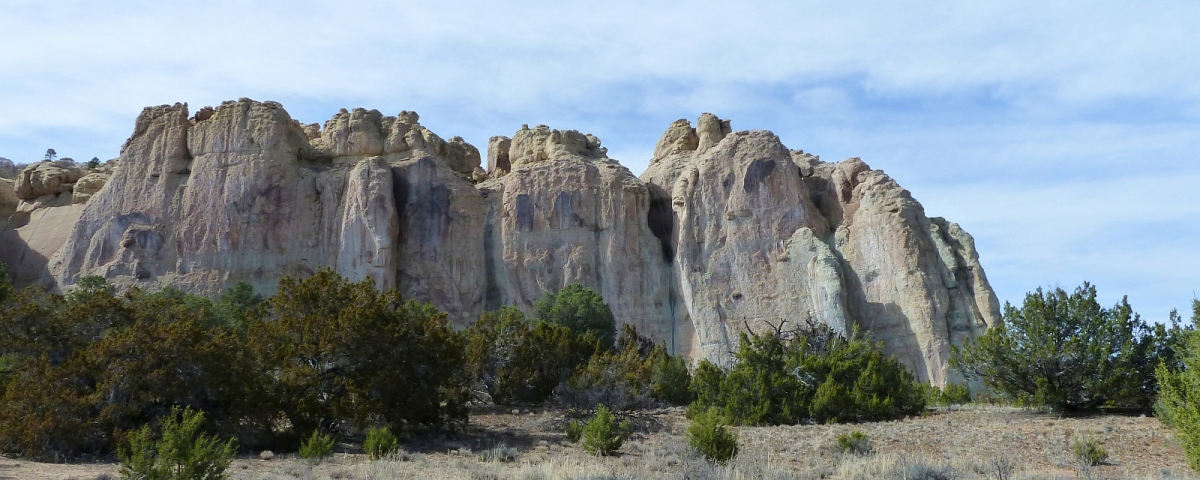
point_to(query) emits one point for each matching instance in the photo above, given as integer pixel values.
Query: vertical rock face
(725, 231)
(441, 241)
(762, 235)
(566, 213)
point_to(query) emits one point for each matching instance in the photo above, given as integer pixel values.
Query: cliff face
(725, 231)
(762, 235)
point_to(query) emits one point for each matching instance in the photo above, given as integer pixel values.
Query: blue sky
(1063, 136)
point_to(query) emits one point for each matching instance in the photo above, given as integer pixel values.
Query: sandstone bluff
(726, 230)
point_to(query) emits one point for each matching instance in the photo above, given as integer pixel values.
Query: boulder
(498, 163)
(47, 178)
(88, 185)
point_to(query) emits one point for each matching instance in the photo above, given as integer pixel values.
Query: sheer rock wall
(725, 231)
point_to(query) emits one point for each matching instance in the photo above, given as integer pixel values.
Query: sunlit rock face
(760, 235)
(725, 231)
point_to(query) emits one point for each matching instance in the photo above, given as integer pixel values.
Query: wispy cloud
(1062, 135)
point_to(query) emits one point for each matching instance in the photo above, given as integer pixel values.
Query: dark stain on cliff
(524, 212)
(564, 214)
(660, 218)
(757, 172)
(423, 205)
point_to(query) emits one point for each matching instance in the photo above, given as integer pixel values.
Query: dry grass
(973, 442)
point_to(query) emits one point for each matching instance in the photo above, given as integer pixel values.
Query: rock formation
(724, 231)
(761, 235)
(39, 209)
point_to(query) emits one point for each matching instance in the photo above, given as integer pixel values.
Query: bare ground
(970, 442)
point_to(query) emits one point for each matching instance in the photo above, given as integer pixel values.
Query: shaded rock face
(725, 231)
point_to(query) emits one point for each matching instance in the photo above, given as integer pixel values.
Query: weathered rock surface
(724, 231)
(763, 235)
(566, 213)
(8, 201)
(47, 178)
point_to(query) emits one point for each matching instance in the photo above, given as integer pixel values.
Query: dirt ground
(968, 442)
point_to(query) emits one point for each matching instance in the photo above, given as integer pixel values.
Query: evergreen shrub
(708, 435)
(1178, 404)
(181, 452)
(603, 435)
(806, 376)
(1064, 352)
(316, 448)
(380, 443)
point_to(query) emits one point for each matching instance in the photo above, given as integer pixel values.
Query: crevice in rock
(661, 220)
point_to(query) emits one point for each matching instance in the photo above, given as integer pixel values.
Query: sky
(1063, 136)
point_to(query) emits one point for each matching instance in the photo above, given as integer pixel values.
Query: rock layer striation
(725, 231)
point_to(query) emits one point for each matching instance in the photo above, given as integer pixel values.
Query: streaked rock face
(725, 231)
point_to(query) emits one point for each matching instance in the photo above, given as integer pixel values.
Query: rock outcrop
(725, 231)
(566, 213)
(762, 235)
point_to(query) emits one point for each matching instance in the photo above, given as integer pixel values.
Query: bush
(380, 443)
(1064, 352)
(953, 394)
(181, 453)
(602, 435)
(80, 370)
(856, 442)
(93, 163)
(343, 354)
(6, 286)
(86, 367)
(318, 447)
(574, 431)
(813, 375)
(514, 362)
(580, 309)
(670, 380)
(1178, 404)
(1088, 451)
(709, 436)
(624, 379)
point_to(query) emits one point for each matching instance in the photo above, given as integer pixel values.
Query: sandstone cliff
(724, 231)
(760, 235)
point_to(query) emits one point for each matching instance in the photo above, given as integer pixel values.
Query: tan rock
(567, 214)
(47, 178)
(441, 244)
(710, 130)
(751, 249)
(369, 225)
(541, 143)
(88, 186)
(679, 137)
(498, 163)
(725, 231)
(8, 201)
(353, 133)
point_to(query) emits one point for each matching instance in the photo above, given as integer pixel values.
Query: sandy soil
(970, 442)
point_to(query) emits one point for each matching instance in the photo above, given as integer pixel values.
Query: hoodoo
(725, 231)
